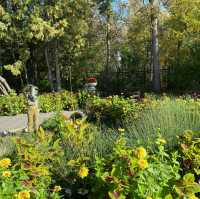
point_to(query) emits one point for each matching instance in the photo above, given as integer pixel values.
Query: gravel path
(19, 122)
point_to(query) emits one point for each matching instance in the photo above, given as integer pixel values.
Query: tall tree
(155, 45)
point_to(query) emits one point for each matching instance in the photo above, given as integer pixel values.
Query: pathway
(19, 122)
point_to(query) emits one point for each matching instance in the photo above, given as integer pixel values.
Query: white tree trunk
(155, 45)
(58, 79)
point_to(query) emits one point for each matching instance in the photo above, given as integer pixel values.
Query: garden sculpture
(33, 110)
(91, 84)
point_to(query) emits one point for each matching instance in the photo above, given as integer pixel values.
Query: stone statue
(31, 92)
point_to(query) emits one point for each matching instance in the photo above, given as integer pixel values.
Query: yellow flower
(23, 195)
(6, 174)
(141, 152)
(121, 130)
(83, 172)
(57, 189)
(162, 141)
(78, 122)
(5, 162)
(192, 196)
(143, 164)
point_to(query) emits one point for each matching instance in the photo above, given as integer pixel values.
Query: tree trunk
(108, 42)
(35, 67)
(155, 45)
(49, 67)
(4, 87)
(58, 79)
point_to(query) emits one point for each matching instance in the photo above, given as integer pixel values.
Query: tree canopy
(49, 42)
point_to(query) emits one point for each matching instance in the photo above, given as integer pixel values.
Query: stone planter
(92, 84)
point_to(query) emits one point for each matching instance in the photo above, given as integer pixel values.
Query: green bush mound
(112, 110)
(52, 102)
(14, 104)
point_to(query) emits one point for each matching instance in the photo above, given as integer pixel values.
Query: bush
(12, 104)
(190, 153)
(83, 98)
(38, 154)
(51, 102)
(129, 172)
(16, 182)
(112, 110)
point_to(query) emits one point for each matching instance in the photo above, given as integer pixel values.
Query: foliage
(83, 97)
(112, 110)
(37, 155)
(15, 182)
(7, 146)
(79, 138)
(190, 153)
(57, 101)
(170, 115)
(132, 173)
(12, 104)
(16, 104)
(187, 187)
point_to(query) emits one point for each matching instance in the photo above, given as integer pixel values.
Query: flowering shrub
(190, 153)
(133, 173)
(16, 104)
(15, 182)
(12, 104)
(37, 154)
(57, 101)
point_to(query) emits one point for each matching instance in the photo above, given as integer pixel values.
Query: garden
(99, 99)
(120, 149)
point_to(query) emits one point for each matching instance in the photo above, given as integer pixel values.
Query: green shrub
(16, 182)
(129, 172)
(51, 102)
(83, 98)
(96, 141)
(38, 154)
(12, 104)
(134, 173)
(190, 153)
(112, 110)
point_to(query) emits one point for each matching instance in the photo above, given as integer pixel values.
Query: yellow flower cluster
(23, 195)
(83, 172)
(6, 174)
(57, 189)
(4, 163)
(143, 164)
(141, 152)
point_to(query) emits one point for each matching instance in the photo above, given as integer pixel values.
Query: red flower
(91, 80)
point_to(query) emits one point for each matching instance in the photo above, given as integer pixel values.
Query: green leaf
(189, 178)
